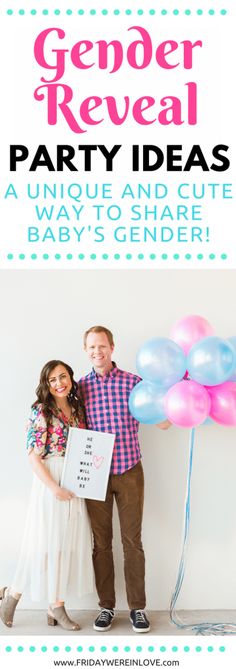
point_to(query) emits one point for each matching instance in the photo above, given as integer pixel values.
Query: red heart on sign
(98, 460)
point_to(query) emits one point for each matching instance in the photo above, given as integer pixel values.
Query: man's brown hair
(97, 329)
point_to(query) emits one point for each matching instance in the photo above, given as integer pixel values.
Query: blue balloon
(161, 361)
(232, 341)
(211, 361)
(208, 421)
(146, 403)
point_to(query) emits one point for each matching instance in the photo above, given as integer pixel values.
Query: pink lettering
(112, 109)
(174, 116)
(52, 91)
(79, 50)
(163, 51)
(59, 96)
(145, 43)
(87, 106)
(110, 55)
(39, 45)
(103, 55)
(188, 53)
(192, 102)
(140, 107)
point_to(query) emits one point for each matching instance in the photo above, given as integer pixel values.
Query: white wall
(43, 316)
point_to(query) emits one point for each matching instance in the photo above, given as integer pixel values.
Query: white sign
(87, 463)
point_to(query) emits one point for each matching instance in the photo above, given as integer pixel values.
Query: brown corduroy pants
(128, 490)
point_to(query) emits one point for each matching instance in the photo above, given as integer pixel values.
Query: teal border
(116, 256)
(116, 12)
(127, 649)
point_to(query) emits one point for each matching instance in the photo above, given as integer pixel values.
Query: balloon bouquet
(189, 379)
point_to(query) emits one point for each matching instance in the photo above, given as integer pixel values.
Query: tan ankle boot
(8, 604)
(58, 615)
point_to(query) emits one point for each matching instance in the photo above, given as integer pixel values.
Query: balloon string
(203, 628)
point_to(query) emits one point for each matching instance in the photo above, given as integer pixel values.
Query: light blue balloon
(208, 421)
(161, 361)
(146, 403)
(211, 361)
(232, 341)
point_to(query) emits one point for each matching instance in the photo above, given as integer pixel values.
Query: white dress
(56, 552)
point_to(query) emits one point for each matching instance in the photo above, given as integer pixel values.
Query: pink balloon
(187, 404)
(189, 330)
(223, 403)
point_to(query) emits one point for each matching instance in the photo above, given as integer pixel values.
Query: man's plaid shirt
(106, 401)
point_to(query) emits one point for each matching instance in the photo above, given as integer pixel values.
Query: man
(105, 393)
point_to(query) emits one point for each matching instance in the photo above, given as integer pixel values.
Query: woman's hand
(63, 494)
(164, 425)
(41, 471)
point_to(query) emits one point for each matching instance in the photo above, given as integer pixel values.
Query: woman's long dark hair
(45, 398)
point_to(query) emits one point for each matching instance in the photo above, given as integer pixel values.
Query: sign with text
(87, 463)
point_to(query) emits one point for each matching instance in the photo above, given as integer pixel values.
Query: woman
(56, 550)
